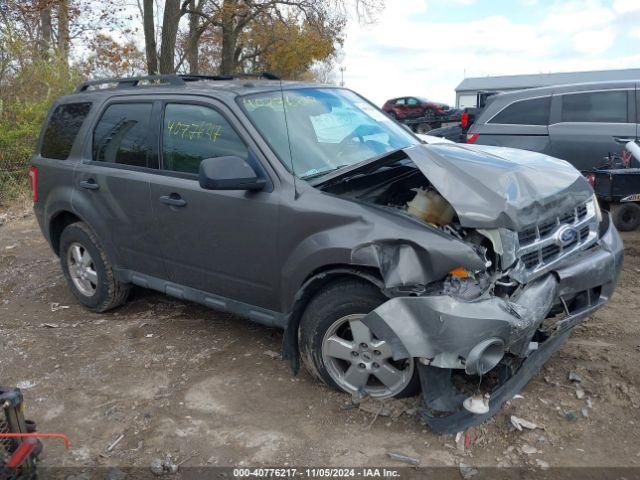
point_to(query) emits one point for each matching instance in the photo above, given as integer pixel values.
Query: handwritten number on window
(194, 131)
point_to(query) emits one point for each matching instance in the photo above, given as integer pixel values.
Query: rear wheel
(626, 216)
(88, 271)
(342, 351)
(423, 128)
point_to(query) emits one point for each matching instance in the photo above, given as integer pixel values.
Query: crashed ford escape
(392, 266)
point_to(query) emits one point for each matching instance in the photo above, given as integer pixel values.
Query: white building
(468, 89)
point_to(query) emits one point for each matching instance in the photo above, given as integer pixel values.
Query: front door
(222, 242)
(592, 125)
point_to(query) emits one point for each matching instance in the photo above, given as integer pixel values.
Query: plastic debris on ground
(521, 423)
(403, 458)
(574, 377)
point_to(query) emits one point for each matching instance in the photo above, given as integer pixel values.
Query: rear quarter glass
(62, 129)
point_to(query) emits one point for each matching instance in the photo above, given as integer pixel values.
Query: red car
(410, 107)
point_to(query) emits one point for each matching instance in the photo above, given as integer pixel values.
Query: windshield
(328, 128)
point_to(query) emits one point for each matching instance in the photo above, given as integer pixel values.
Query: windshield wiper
(323, 172)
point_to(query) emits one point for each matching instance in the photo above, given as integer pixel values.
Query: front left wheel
(339, 349)
(88, 271)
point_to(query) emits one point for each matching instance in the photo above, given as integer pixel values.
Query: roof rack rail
(231, 76)
(131, 81)
(171, 79)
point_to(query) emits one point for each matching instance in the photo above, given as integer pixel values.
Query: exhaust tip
(484, 356)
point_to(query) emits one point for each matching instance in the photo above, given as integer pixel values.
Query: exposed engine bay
(403, 188)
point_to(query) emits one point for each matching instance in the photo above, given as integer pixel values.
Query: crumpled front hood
(492, 187)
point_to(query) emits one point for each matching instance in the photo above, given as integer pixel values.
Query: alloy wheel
(359, 362)
(82, 269)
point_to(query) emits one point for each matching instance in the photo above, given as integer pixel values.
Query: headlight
(596, 207)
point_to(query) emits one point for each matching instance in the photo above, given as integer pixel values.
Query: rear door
(587, 126)
(218, 241)
(112, 182)
(60, 148)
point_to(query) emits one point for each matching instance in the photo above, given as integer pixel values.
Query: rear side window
(602, 107)
(192, 133)
(525, 112)
(123, 135)
(62, 129)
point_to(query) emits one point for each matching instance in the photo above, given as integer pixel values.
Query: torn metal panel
(500, 187)
(404, 263)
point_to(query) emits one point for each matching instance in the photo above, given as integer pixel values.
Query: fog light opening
(484, 356)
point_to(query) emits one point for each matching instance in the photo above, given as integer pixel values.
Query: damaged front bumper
(515, 335)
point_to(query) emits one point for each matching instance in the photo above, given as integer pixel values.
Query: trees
(286, 36)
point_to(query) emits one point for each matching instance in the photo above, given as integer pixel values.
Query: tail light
(472, 137)
(464, 120)
(591, 178)
(33, 181)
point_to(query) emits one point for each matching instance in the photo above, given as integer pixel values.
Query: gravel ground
(207, 388)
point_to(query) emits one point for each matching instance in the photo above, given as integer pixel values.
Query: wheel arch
(59, 221)
(313, 283)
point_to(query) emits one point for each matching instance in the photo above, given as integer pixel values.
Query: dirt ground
(179, 379)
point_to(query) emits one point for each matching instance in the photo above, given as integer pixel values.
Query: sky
(427, 47)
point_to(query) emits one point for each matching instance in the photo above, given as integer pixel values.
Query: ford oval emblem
(566, 235)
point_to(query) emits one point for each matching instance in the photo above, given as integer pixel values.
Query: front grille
(544, 244)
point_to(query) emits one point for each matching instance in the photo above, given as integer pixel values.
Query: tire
(95, 286)
(344, 302)
(626, 216)
(423, 128)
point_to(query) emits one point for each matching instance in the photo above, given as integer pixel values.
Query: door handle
(174, 200)
(623, 139)
(89, 184)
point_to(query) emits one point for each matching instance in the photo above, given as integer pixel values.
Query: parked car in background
(421, 115)
(581, 123)
(411, 107)
(458, 131)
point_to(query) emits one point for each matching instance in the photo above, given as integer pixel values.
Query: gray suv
(390, 265)
(581, 123)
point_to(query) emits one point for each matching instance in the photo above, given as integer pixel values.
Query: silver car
(581, 123)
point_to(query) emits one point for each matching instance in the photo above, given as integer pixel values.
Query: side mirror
(228, 173)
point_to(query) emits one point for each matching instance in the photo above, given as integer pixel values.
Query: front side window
(123, 135)
(412, 101)
(62, 129)
(525, 112)
(316, 130)
(193, 133)
(601, 107)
